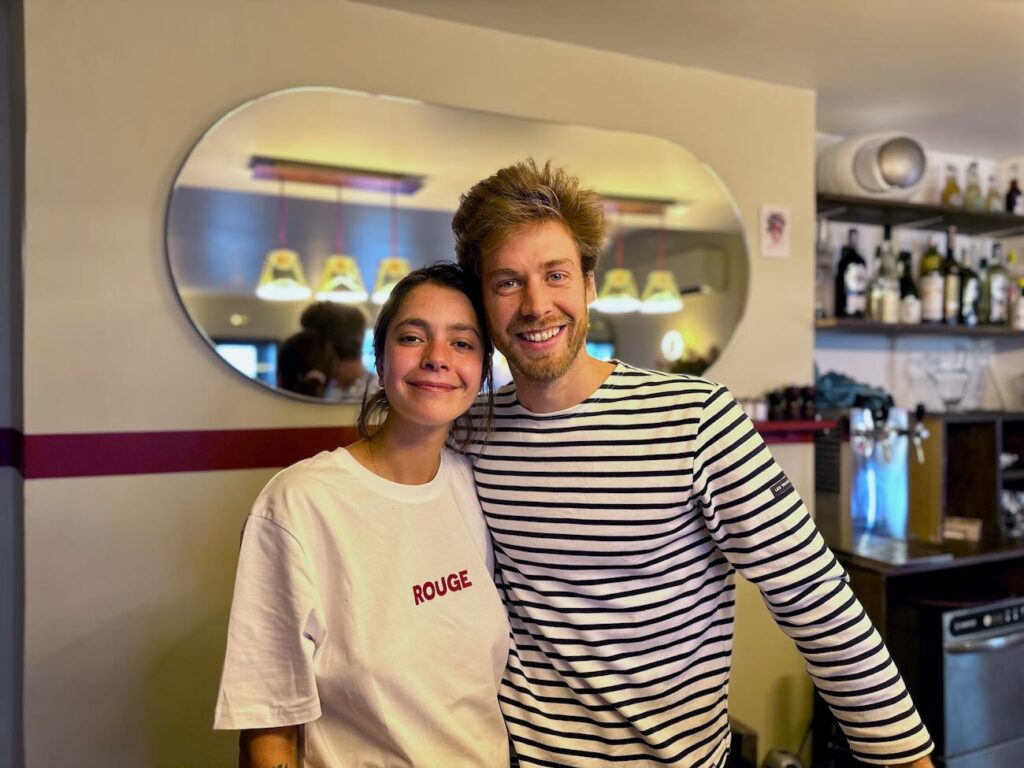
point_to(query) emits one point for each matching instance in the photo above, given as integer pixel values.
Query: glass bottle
(851, 280)
(973, 200)
(993, 200)
(950, 282)
(969, 291)
(910, 301)
(1013, 193)
(998, 300)
(1018, 314)
(824, 291)
(951, 194)
(984, 292)
(884, 291)
(930, 283)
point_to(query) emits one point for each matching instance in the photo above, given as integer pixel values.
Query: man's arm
(269, 748)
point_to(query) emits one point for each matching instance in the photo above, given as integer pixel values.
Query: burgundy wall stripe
(136, 453)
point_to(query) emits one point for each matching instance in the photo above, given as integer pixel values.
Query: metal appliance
(963, 662)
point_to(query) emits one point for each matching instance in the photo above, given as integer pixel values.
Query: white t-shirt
(366, 609)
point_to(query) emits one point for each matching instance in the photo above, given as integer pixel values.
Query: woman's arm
(269, 748)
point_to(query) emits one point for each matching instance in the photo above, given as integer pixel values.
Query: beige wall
(128, 578)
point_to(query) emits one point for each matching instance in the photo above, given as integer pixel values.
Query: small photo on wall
(775, 231)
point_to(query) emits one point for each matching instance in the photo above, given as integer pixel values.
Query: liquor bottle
(951, 194)
(1018, 314)
(973, 200)
(984, 292)
(851, 280)
(910, 302)
(998, 289)
(930, 283)
(969, 291)
(993, 200)
(884, 291)
(824, 290)
(950, 282)
(1013, 193)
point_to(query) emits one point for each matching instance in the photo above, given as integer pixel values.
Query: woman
(364, 606)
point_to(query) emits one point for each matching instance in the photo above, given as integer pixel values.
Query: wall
(12, 124)
(128, 577)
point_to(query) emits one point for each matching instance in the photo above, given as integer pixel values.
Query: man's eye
(558, 276)
(505, 285)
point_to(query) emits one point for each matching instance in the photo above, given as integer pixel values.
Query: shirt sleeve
(761, 525)
(273, 634)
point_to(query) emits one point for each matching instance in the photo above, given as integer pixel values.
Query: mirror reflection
(294, 214)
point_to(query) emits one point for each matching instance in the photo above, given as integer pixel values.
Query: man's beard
(546, 367)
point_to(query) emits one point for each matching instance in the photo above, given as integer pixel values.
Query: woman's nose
(435, 356)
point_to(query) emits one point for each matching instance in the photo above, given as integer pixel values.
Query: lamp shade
(618, 293)
(661, 294)
(341, 281)
(282, 278)
(390, 271)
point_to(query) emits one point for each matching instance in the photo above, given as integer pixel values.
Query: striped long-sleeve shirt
(618, 525)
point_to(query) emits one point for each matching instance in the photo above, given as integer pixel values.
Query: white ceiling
(949, 72)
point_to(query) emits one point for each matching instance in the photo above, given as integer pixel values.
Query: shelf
(936, 218)
(835, 325)
(781, 432)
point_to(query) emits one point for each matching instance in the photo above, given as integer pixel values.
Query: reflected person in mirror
(621, 502)
(365, 627)
(344, 325)
(304, 363)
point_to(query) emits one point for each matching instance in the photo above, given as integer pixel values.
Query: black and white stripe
(617, 527)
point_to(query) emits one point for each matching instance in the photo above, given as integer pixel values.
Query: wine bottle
(950, 282)
(851, 280)
(951, 194)
(998, 289)
(993, 200)
(969, 291)
(973, 200)
(884, 291)
(1013, 193)
(910, 301)
(984, 292)
(930, 283)
(824, 291)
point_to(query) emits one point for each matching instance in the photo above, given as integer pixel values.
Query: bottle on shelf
(931, 284)
(910, 301)
(973, 200)
(824, 290)
(884, 291)
(851, 280)
(950, 281)
(969, 291)
(951, 194)
(1013, 193)
(995, 295)
(993, 200)
(1018, 313)
(984, 292)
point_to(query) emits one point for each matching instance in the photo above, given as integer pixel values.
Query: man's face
(536, 297)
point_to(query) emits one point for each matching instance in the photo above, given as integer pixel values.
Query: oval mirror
(324, 196)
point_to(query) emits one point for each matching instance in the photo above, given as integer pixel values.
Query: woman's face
(433, 357)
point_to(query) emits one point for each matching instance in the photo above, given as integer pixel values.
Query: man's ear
(591, 287)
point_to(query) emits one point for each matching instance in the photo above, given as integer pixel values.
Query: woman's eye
(408, 338)
(464, 345)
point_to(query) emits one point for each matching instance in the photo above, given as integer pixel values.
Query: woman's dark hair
(304, 363)
(447, 274)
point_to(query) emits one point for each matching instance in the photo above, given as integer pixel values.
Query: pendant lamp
(618, 293)
(341, 281)
(393, 268)
(661, 294)
(282, 278)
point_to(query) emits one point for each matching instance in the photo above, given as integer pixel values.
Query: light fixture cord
(339, 222)
(394, 223)
(661, 240)
(282, 226)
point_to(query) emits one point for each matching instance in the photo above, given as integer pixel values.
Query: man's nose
(533, 301)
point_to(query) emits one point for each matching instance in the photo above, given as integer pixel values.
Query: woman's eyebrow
(419, 322)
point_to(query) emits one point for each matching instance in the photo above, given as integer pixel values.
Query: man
(344, 326)
(620, 502)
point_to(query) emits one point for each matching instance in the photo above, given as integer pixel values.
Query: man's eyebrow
(549, 264)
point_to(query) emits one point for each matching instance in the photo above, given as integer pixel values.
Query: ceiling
(949, 72)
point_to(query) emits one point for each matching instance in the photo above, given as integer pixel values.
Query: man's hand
(921, 762)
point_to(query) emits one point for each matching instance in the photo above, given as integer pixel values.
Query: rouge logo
(428, 590)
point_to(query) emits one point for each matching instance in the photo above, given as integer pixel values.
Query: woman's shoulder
(303, 486)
